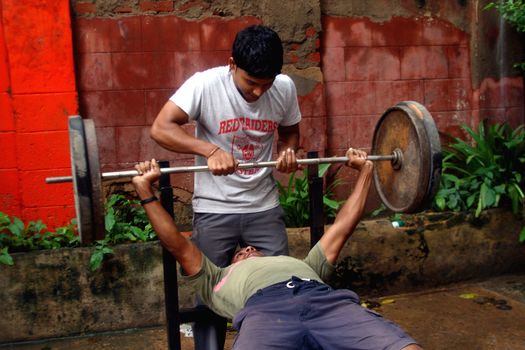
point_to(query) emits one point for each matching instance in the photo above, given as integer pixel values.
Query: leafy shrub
(488, 173)
(295, 201)
(125, 221)
(17, 237)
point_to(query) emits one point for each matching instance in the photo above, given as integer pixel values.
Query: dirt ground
(478, 315)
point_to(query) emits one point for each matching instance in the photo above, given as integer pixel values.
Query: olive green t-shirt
(226, 290)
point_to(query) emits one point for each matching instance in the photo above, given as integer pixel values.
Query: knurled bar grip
(201, 168)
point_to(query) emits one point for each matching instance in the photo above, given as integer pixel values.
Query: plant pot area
(53, 293)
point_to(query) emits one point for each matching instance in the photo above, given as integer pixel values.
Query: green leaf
(5, 258)
(109, 220)
(16, 227)
(487, 196)
(440, 202)
(331, 203)
(96, 260)
(522, 235)
(101, 250)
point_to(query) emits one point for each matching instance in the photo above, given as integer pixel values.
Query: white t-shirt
(246, 129)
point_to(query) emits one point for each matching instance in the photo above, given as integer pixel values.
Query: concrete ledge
(53, 293)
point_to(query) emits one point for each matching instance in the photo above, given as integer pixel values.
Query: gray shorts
(218, 235)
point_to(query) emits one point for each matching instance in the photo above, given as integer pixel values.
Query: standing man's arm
(287, 144)
(350, 214)
(167, 131)
(184, 251)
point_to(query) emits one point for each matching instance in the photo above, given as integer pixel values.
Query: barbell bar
(405, 135)
(394, 157)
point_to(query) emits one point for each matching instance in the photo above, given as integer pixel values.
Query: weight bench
(175, 316)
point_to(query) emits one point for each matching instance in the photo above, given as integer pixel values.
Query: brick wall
(130, 66)
(37, 93)
(132, 55)
(370, 66)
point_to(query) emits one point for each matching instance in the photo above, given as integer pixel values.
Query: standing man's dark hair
(259, 51)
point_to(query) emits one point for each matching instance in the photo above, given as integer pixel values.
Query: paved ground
(472, 316)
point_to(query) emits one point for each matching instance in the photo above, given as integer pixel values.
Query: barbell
(405, 141)
(395, 157)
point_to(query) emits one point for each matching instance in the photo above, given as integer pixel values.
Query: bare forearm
(183, 250)
(168, 132)
(348, 217)
(289, 137)
(283, 145)
(352, 210)
(174, 138)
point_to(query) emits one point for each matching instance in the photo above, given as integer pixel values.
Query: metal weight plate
(98, 227)
(435, 151)
(404, 189)
(81, 178)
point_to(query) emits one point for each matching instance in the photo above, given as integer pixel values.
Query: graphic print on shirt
(250, 148)
(237, 124)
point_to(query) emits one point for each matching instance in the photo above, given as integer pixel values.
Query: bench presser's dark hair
(259, 51)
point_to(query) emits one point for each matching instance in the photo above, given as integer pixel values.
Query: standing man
(236, 109)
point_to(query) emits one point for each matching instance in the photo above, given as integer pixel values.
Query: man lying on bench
(280, 302)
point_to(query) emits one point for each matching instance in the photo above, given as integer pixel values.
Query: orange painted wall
(37, 93)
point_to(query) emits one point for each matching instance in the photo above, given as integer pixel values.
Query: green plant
(513, 11)
(17, 237)
(101, 250)
(5, 257)
(487, 173)
(294, 198)
(125, 221)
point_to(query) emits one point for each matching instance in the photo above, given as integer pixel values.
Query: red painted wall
(37, 93)
(128, 66)
(370, 66)
(374, 65)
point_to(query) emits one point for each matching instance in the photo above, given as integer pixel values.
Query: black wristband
(148, 200)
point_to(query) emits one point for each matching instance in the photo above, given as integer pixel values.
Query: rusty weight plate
(97, 203)
(81, 177)
(435, 151)
(404, 127)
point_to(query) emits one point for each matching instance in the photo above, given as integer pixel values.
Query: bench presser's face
(245, 253)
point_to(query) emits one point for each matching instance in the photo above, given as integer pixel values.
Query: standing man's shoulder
(284, 86)
(284, 81)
